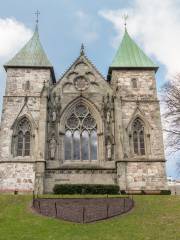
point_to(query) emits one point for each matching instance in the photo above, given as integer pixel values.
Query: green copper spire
(31, 55)
(129, 55)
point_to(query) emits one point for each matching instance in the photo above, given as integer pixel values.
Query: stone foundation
(141, 176)
(17, 177)
(53, 177)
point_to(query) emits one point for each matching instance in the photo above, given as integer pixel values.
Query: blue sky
(65, 24)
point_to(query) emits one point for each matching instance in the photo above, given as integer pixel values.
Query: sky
(64, 25)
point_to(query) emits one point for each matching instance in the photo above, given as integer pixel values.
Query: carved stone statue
(109, 150)
(53, 116)
(52, 147)
(108, 117)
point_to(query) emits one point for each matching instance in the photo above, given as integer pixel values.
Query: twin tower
(81, 128)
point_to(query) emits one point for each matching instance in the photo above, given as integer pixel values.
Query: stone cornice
(142, 160)
(21, 161)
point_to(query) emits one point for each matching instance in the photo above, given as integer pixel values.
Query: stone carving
(52, 147)
(53, 116)
(108, 108)
(91, 76)
(81, 67)
(54, 107)
(108, 117)
(81, 83)
(109, 150)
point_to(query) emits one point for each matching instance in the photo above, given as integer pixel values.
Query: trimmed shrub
(165, 192)
(85, 189)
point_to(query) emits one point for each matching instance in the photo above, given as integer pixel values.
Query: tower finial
(82, 49)
(125, 18)
(37, 13)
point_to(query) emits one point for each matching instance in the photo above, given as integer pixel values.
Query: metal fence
(83, 210)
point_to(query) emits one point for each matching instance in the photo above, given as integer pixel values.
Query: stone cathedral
(81, 128)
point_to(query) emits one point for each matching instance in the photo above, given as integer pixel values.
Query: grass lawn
(153, 218)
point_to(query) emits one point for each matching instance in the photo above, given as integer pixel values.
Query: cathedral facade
(81, 128)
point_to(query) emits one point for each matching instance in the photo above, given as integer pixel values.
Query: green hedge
(85, 189)
(165, 192)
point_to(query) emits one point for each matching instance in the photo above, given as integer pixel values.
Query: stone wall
(133, 102)
(141, 175)
(53, 177)
(15, 105)
(17, 176)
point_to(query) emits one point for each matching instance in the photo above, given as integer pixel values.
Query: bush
(165, 192)
(85, 189)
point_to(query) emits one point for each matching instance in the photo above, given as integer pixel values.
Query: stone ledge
(81, 167)
(21, 161)
(142, 160)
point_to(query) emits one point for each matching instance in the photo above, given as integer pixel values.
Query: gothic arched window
(138, 137)
(80, 135)
(23, 142)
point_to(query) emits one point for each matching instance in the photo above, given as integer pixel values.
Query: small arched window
(138, 137)
(134, 82)
(27, 85)
(80, 135)
(23, 143)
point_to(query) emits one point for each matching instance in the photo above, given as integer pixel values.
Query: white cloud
(155, 26)
(13, 35)
(86, 27)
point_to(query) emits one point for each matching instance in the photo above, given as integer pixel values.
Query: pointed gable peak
(31, 55)
(129, 55)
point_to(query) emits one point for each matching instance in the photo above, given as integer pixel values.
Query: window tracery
(80, 135)
(23, 138)
(138, 137)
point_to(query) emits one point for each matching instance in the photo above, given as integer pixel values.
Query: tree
(171, 93)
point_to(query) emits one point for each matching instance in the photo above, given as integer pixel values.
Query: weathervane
(125, 18)
(37, 13)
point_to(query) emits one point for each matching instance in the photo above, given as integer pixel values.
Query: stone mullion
(139, 148)
(89, 146)
(72, 145)
(80, 145)
(23, 148)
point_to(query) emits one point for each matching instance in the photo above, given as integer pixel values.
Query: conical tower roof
(31, 55)
(129, 55)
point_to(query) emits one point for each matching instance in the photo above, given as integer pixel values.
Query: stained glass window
(80, 135)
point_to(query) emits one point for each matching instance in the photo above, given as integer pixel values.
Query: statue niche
(54, 108)
(52, 147)
(108, 116)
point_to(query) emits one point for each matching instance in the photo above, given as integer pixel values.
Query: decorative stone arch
(138, 114)
(93, 110)
(31, 131)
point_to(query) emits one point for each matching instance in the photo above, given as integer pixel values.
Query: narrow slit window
(134, 82)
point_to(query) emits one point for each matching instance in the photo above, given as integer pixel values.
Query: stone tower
(82, 128)
(27, 74)
(140, 164)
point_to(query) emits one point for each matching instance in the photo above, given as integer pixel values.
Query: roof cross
(125, 18)
(82, 49)
(37, 13)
